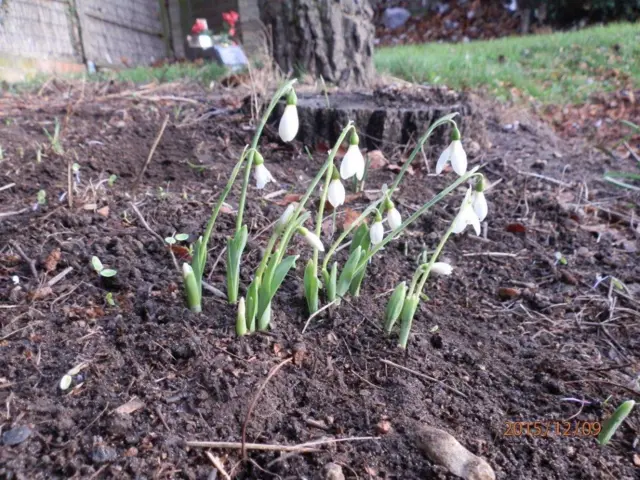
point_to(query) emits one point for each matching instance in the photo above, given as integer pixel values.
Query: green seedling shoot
(112, 179)
(612, 424)
(100, 269)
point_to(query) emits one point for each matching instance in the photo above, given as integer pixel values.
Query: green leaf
(234, 254)
(108, 272)
(265, 319)
(170, 240)
(311, 287)
(112, 180)
(408, 312)
(347, 272)
(331, 282)
(96, 264)
(182, 237)
(271, 285)
(361, 238)
(614, 421)
(395, 306)
(252, 304)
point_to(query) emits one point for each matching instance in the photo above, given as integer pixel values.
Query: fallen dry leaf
(182, 253)
(349, 217)
(516, 228)
(41, 293)
(507, 293)
(226, 208)
(377, 159)
(288, 199)
(131, 406)
(51, 262)
(394, 167)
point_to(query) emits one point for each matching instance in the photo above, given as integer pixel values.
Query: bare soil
(510, 336)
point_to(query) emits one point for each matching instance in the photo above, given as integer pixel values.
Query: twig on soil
(151, 152)
(218, 464)
(252, 446)
(31, 324)
(316, 313)
(145, 224)
(32, 263)
(11, 214)
(164, 422)
(544, 177)
(271, 447)
(607, 382)
(69, 183)
(490, 254)
(59, 277)
(273, 371)
(422, 375)
(7, 186)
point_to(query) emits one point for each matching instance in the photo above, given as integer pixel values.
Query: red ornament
(231, 18)
(200, 26)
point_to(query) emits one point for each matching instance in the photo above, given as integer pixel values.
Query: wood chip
(131, 406)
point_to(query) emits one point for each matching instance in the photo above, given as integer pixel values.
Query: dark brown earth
(516, 332)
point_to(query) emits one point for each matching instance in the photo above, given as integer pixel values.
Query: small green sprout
(75, 169)
(560, 259)
(178, 237)
(54, 139)
(1, 153)
(41, 196)
(612, 424)
(112, 180)
(99, 268)
(39, 154)
(109, 299)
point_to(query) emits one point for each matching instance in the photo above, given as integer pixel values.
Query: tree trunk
(328, 38)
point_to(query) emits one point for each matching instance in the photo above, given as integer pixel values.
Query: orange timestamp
(552, 428)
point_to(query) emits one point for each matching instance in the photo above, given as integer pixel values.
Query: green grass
(204, 74)
(554, 68)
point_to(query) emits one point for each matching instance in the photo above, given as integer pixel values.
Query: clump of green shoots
(54, 138)
(255, 307)
(100, 269)
(612, 424)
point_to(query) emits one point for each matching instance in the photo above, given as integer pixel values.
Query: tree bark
(328, 38)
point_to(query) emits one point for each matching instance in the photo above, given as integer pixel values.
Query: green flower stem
(254, 145)
(323, 201)
(393, 234)
(434, 257)
(416, 276)
(418, 148)
(216, 210)
(267, 253)
(356, 223)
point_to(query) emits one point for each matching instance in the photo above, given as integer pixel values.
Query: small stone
(333, 471)
(16, 435)
(383, 427)
(583, 252)
(539, 164)
(103, 454)
(443, 449)
(636, 459)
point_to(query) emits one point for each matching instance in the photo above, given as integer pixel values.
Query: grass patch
(554, 68)
(204, 73)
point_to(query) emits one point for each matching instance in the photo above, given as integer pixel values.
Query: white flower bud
(336, 194)
(441, 268)
(376, 233)
(289, 123)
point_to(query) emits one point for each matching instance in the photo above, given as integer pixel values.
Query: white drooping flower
(394, 218)
(286, 215)
(353, 161)
(376, 233)
(336, 194)
(479, 203)
(262, 176)
(466, 216)
(311, 238)
(288, 128)
(441, 268)
(453, 154)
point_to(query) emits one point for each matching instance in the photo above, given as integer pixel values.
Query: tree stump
(386, 118)
(328, 38)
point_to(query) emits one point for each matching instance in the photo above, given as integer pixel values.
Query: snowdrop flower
(261, 174)
(289, 123)
(353, 161)
(336, 194)
(453, 154)
(311, 238)
(394, 219)
(441, 268)
(466, 216)
(478, 201)
(286, 215)
(376, 233)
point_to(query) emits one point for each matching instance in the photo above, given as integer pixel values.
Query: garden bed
(508, 337)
